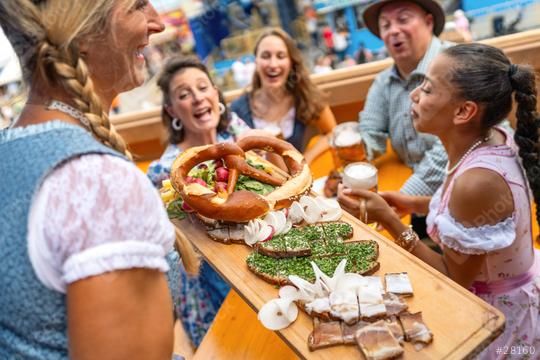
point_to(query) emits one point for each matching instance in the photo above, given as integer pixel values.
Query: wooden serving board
(462, 323)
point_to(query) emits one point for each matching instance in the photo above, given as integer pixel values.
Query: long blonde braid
(76, 81)
(43, 34)
(70, 71)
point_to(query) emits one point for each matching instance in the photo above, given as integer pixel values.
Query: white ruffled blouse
(508, 243)
(470, 240)
(96, 214)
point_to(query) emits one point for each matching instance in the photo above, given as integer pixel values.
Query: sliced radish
(312, 210)
(296, 213)
(251, 231)
(277, 314)
(328, 282)
(289, 292)
(288, 226)
(271, 219)
(332, 214)
(308, 290)
(267, 233)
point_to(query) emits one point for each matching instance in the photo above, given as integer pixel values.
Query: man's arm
(429, 174)
(374, 119)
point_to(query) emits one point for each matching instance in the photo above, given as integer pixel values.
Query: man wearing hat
(409, 29)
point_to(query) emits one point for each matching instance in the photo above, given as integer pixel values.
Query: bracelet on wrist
(408, 239)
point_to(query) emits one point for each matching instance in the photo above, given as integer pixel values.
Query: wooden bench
(347, 89)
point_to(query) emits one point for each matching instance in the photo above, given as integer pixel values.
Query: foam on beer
(360, 176)
(347, 138)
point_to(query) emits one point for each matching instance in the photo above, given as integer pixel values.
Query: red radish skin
(272, 232)
(218, 163)
(222, 174)
(220, 186)
(186, 207)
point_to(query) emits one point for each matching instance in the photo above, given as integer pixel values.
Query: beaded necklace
(467, 153)
(69, 110)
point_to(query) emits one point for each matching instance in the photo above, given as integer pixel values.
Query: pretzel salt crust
(241, 205)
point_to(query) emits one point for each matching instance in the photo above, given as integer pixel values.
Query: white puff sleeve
(475, 240)
(96, 214)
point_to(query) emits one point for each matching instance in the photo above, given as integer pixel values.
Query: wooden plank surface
(462, 323)
(237, 334)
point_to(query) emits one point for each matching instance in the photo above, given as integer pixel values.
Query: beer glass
(346, 145)
(361, 176)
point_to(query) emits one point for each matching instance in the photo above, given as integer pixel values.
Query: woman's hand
(402, 203)
(376, 208)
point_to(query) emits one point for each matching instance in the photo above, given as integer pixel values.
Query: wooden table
(462, 323)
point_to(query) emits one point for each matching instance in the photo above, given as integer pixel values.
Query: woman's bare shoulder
(481, 197)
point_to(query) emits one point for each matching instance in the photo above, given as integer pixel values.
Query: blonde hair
(44, 34)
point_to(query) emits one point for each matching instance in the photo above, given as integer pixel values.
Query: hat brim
(371, 14)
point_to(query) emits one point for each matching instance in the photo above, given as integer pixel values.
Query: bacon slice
(415, 329)
(396, 329)
(395, 305)
(325, 334)
(377, 342)
(371, 303)
(398, 283)
(349, 331)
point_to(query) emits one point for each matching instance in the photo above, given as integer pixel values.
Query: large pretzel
(242, 205)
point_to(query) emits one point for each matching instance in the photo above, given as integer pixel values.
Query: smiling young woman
(87, 242)
(283, 97)
(481, 214)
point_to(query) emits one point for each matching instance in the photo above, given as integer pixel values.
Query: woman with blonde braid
(84, 236)
(481, 215)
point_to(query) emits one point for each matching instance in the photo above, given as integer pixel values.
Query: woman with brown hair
(85, 237)
(282, 98)
(194, 114)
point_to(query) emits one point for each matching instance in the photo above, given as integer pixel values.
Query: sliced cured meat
(325, 334)
(414, 328)
(377, 342)
(398, 283)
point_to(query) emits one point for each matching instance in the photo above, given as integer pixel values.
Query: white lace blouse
(96, 214)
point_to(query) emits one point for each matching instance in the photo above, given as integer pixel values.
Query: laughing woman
(84, 236)
(194, 114)
(481, 215)
(283, 97)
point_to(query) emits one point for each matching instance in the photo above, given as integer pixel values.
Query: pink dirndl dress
(509, 279)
